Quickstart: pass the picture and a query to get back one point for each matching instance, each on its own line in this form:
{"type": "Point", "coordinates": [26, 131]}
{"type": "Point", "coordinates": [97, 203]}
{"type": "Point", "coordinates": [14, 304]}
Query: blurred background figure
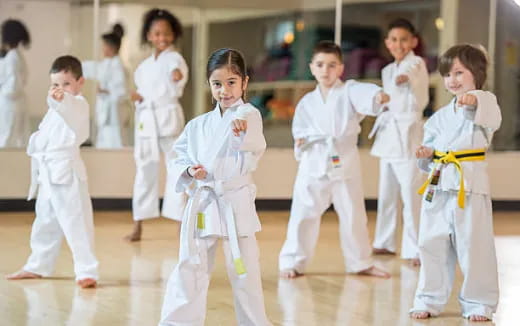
{"type": "Point", "coordinates": [14, 123]}
{"type": "Point", "coordinates": [112, 101]}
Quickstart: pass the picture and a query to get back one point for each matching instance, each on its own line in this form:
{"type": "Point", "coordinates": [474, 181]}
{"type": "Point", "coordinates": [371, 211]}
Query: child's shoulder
{"type": "Point", "coordinates": [173, 54]}
{"type": "Point", "coordinates": [12, 57]}
{"type": "Point", "coordinates": [198, 119]}
{"type": "Point", "coordinates": [483, 93]}
{"type": "Point", "coordinates": [246, 110]}
{"type": "Point", "coordinates": [440, 113]}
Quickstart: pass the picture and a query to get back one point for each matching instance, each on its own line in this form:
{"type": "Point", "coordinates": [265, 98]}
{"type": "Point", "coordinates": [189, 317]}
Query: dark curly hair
{"type": "Point", "coordinates": [14, 32]}
{"type": "Point", "coordinates": [158, 14]}
{"type": "Point", "coordinates": [114, 37]}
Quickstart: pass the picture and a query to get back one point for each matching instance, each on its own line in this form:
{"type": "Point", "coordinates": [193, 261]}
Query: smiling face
{"type": "Point", "coordinates": [326, 68]}
{"type": "Point", "coordinates": [227, 87]}
{"type": "Point", "coordinates": [400, 42]}
{"type": "Point", "coordinates": [459, 79]}
{"type": "Point", "coordinates": [66, 81]}
{"type": "Point", "coordinates": [161, 35]}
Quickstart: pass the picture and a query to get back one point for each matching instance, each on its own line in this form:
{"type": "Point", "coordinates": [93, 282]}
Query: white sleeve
{"type": "Point", "coordinates": [253, 140]}
{"type": "Point", "coordinates": [300, 127]}
{"type": "Point", "coordinates": [253, 143]}
{"type": "Point", "coordinates": [430, 133]}
{"type": "Point", "coordinates": [487, 113]}
{"type": "Point", "coordinates": [117, 84]}
{"type": "Point", "coordinates": [89, 69]}
{"type": "Point", "coordinates": [363, 97]}
{"type": "Point", "coordinates": [12, 86]}
{"type": "Point", "coordinates": [182, 162]}
{"type": "Point", "coordinates": [75, 112]}
{"type": "Point", "coordinates": [178, 63]}
{"type": "Point", "coordinates": [419, 82]}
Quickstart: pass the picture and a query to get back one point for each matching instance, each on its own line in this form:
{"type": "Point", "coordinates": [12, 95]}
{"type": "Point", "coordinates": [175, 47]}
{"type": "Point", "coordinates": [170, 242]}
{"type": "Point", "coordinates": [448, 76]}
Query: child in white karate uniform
{"type": "Point", "coordinates": [159, 119]}
{"type": "Point", "coordinates": [218, 151]}
{"type": "Point", "coordinates": [456, 215]}
{"type": "Point", "coordinates": [14, 119]}
{"type": "Point", "coordinates": [63, 206]}
{"type": "Point", "coordinates": [325, 129]}
{"type": "Point", "coordinates": [112, 100]}
{"type": "Point", "coordinates": [399, 133]}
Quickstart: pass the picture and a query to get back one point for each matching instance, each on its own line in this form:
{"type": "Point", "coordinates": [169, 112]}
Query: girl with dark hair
{"type": "Point", "coordinates": [159, 119]}
{"type": "Point", "coordinates": [112, 100]}
{"type": "Point", "coordinates": [14, 123]}
{"type": "Point", "coordinates": [217, 152]}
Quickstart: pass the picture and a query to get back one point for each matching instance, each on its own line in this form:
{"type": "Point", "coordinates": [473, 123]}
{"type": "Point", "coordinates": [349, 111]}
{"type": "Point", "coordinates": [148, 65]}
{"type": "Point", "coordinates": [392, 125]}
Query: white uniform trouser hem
{"type": "Point", "coordinates": [63, 211]}
{"type": "Point", "coordinates": [450, 235]}
{"type": "Point", "coordinates": [145, 200]}
{"type": "Point", "coordinates": [185, 299]}
{"type": "Point", "coordinates": [399, 180]}
{"type": "Point", "coordinates": [311, 197]}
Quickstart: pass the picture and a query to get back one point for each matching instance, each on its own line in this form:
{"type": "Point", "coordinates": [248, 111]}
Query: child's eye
{"type": "Point", "coordinates": [216, 84]}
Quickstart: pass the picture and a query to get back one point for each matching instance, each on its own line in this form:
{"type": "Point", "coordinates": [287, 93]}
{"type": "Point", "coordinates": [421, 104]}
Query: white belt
{"type": "Point", "coordinates": [334, 163]}
{"type": "Point", "coordinates": [217, 191]}
{"type": "Point", "coordinates": [145, 109]}
{"type": "Point", "coordinates": [386, 116]}
{"type": "Point", "coordinates": [38, 165]}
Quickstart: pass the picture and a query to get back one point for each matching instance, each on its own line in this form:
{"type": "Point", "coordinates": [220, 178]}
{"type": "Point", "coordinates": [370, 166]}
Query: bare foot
{"type": "Point", "coordinates": [87, 283]}
{"type": "Point", "coordinates": [415, 262]}
{"type": "Point", "coordinates": [374, 271]}
{"type": "Point", "coordinates": [478, 318]}
{"type": "Point", "coordinates": [420, 315]}
{"type": "Point", "coordinates": [378, 251]}
{"type": "Point", "coordinates": [290, 273]}
{"type": "Point", "coordinates": [136, 232]}
{"type": "Point", "coordinates": [22, 275]}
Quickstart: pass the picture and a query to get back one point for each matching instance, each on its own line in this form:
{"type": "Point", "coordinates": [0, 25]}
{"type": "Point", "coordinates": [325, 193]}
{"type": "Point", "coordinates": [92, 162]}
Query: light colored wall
{"type": "Point", "coordinates": [48, 24]}
{"type": "Point", "coordinates": [111, 174]}
{"type": "Point", "coordinates": [507, 69]}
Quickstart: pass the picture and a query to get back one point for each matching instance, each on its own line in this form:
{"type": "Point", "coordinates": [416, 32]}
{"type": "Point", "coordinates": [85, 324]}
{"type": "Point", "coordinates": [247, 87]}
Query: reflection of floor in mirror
{"type": "Point", "coordinates": [133, 277]}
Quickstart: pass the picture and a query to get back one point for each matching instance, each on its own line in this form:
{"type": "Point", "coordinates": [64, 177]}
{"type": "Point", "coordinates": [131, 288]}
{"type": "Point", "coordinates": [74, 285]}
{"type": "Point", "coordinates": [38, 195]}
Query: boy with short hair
{"type": "Point", "coordinates": [63, 206]}
{"type": "Point", "coordinates": [325, 129]}
{"type": "Point", "coordinates": [399, 133]}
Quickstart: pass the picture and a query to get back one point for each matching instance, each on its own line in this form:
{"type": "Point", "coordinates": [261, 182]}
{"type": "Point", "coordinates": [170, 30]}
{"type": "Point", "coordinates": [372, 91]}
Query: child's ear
{"type": "Point", "coordinates": [415, 42]}
{"type": "Point", "coordinates": [387, 43]}
{"type": "Point", "coordinates": [341, 68]}
{"type": "Point", "coordinates": [81, 81]}
{"type": "Point", "coordinates": [244, 83]}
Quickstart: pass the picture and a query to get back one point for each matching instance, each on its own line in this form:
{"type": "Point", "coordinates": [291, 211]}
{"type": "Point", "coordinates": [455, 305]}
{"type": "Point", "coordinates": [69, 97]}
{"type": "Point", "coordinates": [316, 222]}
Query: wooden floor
{"type": "Point", "coordinates": [133, 277]}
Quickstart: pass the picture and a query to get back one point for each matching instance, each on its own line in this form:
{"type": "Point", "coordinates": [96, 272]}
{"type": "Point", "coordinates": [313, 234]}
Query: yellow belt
{"type": "Point", "coordinates": [455, 158]}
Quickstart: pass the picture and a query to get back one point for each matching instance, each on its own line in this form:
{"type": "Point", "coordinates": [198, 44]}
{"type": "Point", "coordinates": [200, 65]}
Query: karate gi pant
{"type": "Point", "coordinates": [109, 136]}
{"type": "Point", "coordinates": [398, 183]}
{"type": "Point", "coordinates": [449, 234]}
{"type": "Point", "coordinates": [145, 201]}
{"type": "Point", "coordinates": [63, 210]}
{"type": "Point", "coordinates": [187, 289]}
{"type": "Point", "coordinates": [311, 198]}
